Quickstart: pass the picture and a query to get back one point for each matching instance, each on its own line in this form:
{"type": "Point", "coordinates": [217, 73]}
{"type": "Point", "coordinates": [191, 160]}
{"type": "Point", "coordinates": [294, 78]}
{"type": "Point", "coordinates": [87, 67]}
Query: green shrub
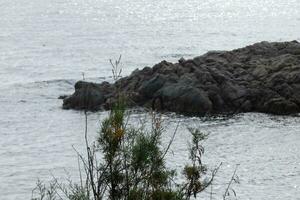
{"type": "Point", "coordinates": [132, 164]}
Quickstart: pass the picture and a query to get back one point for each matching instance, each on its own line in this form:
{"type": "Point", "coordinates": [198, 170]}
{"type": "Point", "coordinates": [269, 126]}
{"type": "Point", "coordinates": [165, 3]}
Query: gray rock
{"type": "Point", "coordinates": [87, 96]}
{"type": "Point", "coordinates": [263, 77]}
{"type": "Point", "coordinates": [148, 88]}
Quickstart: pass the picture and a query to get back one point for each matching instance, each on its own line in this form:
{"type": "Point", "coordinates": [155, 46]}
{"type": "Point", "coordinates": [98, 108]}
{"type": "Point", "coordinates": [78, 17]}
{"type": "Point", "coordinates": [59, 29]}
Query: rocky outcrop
{"type": "Point", "coordinates": [264, 77]}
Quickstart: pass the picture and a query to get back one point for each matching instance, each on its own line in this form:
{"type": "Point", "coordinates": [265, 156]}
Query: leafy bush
{"type": "Point", "coordinates": [128, 163]}
{"type": "Point", "coordinates": [132, 165]}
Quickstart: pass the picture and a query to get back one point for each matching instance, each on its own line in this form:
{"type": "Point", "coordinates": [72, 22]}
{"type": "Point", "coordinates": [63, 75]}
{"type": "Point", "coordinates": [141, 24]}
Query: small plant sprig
{"type": "Point", "coordinates": [116, 68]}
{"type": "Point", "coordinates": [195, 173]}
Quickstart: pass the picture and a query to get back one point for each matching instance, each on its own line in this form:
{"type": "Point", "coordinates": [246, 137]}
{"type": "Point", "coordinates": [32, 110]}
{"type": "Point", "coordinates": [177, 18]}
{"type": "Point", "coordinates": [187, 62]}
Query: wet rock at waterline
{"type": "Point", "coordinates": [264, 77]}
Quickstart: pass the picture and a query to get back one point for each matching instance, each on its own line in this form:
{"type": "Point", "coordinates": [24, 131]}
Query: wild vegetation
{"type": "Point", "coordinates": [129, 163]}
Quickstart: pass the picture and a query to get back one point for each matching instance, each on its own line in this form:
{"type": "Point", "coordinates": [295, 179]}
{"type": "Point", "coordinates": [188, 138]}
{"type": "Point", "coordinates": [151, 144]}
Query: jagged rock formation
{"type": "Point", "coordinates": [264, 77]}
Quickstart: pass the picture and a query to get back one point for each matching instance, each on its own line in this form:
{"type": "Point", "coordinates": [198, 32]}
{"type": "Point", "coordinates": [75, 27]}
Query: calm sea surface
{"type": "Point", "coordinates": [46, 45]}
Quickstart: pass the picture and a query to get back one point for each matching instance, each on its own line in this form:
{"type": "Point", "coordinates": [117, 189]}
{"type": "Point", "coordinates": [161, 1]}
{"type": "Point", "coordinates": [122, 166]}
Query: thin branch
{"type": "Point", "coordinates": [230, 182]}
{"type": "Point", "coordinates": [214, 173]}
{"type": "Point", "coordinates": [171, 141]}
{"type": "Point", "coordinates": [90, 159]}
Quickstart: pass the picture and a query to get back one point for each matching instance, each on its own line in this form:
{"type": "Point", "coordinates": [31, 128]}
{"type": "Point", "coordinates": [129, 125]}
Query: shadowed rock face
{"type": "Point", "coordinates": [264, 77]}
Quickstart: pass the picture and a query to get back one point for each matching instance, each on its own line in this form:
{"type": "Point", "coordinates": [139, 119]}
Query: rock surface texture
{"type": "Point", "coordinates": [264, 77]}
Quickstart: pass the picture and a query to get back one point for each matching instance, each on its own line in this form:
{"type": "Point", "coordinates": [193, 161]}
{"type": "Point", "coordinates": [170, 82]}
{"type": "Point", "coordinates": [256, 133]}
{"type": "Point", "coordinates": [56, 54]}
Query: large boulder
{"type": "Point", "coordinates": [264, 77]}
{"type": "Point", "coordinates": [87, 96]}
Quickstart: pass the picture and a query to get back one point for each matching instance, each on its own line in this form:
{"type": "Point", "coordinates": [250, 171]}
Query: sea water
{"type": "Point", "coordinates": [47, 45]}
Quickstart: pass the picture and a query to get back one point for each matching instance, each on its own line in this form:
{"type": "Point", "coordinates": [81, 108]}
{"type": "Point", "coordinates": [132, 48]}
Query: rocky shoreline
{"type": "Point", "coordinates": [263, 77]}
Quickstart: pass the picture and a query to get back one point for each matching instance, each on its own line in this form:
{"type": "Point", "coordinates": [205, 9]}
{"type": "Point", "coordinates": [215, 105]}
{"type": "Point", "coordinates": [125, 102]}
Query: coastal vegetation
{"type": "Point", "coordinates": [129, 162]}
